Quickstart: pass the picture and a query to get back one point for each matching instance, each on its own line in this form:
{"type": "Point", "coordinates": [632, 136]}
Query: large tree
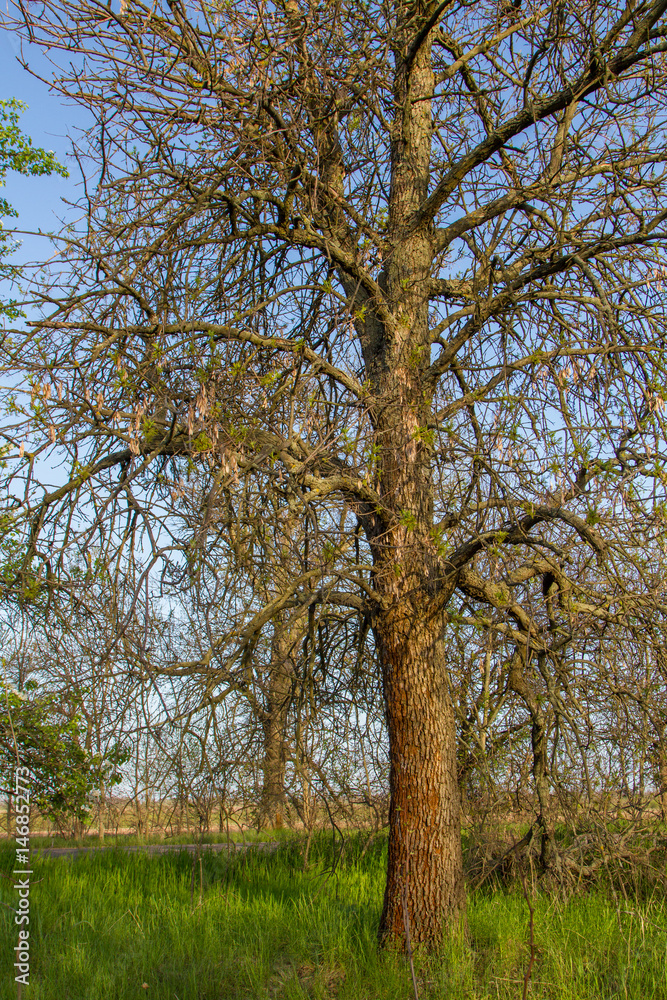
{"type": "Point", "coordinates": [400, 261]}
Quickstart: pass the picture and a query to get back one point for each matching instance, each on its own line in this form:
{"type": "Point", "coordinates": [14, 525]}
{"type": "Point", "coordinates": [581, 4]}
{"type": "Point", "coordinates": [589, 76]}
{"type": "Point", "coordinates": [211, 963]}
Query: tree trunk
{"type": "Point", "coordinates": [100, 815]}
{"type": "Point", "coordinates": [424, 893]}
{"type": "Point", "coordinates": [539, 743]}
{"type": "Point", "coordinates": [274, 722]}
{"type": "Point", "coordinates": [273, 772]}
{"type": "Point", "coordinates": [548, 850]}
{"type": "Point", "coordinates": [661, 776]}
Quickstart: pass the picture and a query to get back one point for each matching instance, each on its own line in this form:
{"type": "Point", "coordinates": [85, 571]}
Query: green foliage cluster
{"type": "Point", "coordinates": [63, 772]}
{"type": "Point", "coordinates": [17, 153]}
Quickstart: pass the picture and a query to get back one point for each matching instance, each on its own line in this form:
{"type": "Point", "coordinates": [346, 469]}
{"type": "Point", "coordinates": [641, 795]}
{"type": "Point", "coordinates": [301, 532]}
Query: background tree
{"type": "Point", "coordinates": [441, 226]}
{"type": "Point", "coordinates": [63, 772]}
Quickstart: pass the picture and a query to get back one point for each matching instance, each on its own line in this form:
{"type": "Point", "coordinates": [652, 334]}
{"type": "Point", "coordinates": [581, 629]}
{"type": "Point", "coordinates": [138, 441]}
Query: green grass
{"type": "Point", "coordinates": [105, 924]}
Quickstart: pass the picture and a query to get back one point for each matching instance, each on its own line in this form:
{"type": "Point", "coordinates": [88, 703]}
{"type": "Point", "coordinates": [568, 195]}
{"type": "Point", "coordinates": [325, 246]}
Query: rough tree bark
{"type": "Point", "coordinates": [425, 872]}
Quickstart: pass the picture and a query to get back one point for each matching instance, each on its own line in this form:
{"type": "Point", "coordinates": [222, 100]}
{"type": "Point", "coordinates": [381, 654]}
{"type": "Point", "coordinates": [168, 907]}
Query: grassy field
{"type": "Point", "coordinates": [133, 839]}
{"type": "Point", "coordinates": [112, 926]}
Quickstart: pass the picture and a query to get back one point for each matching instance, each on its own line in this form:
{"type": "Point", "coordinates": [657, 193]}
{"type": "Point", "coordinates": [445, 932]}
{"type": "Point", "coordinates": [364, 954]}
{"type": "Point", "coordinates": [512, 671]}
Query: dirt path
{"type": "Point", "coordinates": [152, 849]}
